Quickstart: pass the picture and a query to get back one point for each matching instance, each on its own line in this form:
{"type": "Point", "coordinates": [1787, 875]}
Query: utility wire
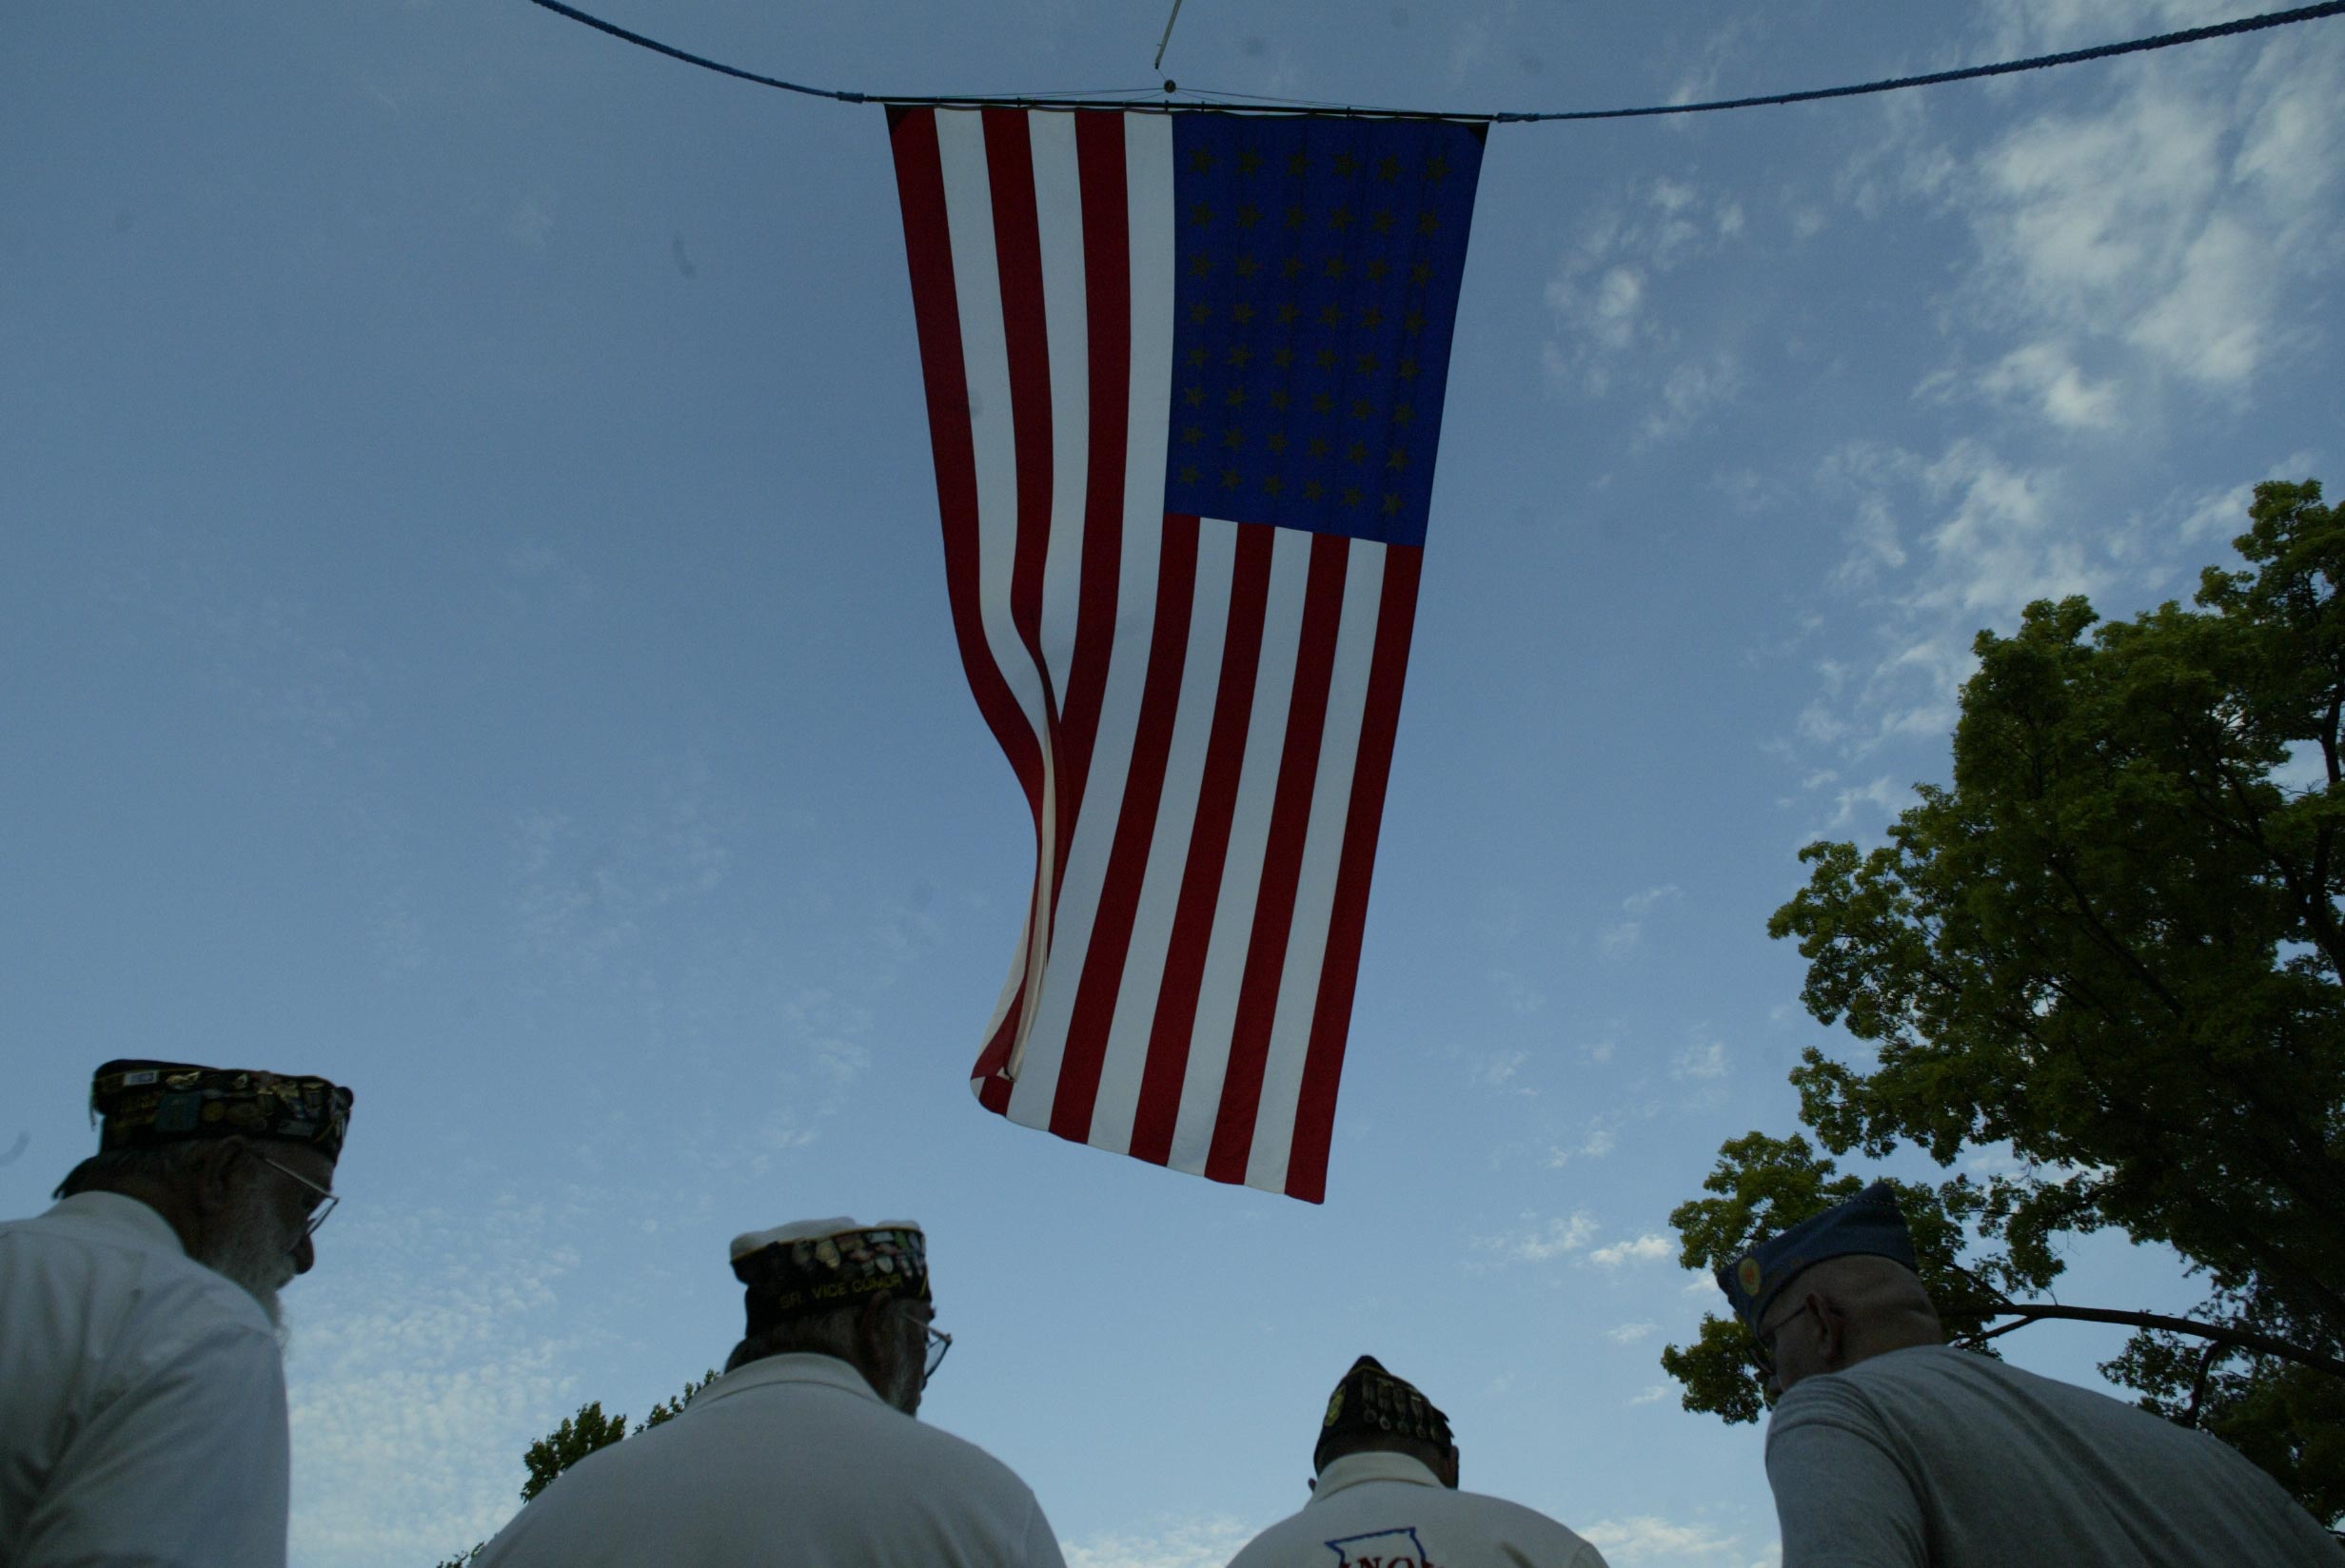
{"type": "Point", "coordinates": [2103, 51]}
{"type": "Point", "coordinates": [2006, 68]}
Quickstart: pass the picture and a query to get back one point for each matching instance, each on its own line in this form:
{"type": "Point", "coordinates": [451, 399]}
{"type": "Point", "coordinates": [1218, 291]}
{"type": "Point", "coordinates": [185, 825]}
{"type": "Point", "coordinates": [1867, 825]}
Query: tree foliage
{"type": "Point", "coordinates": [580, 1435]}
{"type": "Point", "coordinates": [2112, 946]}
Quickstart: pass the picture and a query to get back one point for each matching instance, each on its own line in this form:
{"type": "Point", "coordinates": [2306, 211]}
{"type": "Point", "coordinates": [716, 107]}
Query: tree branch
{"type": "Point", "coordinates": [2244, 1339]}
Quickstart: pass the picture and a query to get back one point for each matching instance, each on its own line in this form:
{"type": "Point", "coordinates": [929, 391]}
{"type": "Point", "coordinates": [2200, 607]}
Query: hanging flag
{"type": "Point", "coordinates": [1185, 375]}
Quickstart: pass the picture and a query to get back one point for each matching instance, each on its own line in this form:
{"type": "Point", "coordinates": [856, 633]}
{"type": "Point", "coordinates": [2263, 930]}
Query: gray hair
{"type": "Point", "coordinates": [111, 1170]}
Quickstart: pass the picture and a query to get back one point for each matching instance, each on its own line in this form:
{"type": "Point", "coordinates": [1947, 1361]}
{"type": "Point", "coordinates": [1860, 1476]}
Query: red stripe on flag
{"type": "Point", "coordinates": [1017, 254]}
{"type": "Point", "coordinates": [1314, 1119]}
{"type": "Point", "coordinates": [1208, 846]}
{"type": "Point", "coordinates": [936, 305]}
{"type": "Point", "coordinates": [1107, 300]}
{"type": "Point", "coordinates": [991, 1083]}
{"type": "Point", "coordinates": [1282, 861]}
{"type": "Point", "coordinates": [1136, 828]}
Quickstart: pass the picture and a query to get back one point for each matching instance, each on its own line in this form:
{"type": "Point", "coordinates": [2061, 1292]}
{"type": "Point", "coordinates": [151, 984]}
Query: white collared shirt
{"type": "Point", "coordinates": [792, 1459]}
{"type": "Point", "coordinates": [1390, 1510]}
{"type": "Point", "coordinates": [1935, 1458]}
{"type": "Point", "coordinates": [143, 1398]}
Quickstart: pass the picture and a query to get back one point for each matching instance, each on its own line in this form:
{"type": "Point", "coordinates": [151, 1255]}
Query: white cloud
{"type": "Point", "coordinates": [1646, 1248]}
{"type": "Point", "coordinates": [1600, 1143]}
{"type": "Point", "coordinates": [1651, 898]}
{"type": "Point", "coordinates": [1516, 994]}
{"type": "Point", "coordinates": [1497, 1070]}
{"type": "Point", "coordinates": [1631, 1333]}
{"type": "Point", "coordinates": [1883, 795]}
{"type": "Point", "coordinates": [2043, 377]}
{"type": "Point", "coordinates": [2175, 221]}
{"type": "Point", "coordinates": [417, 1373]}
{"type": "Point", "coordinates": [1203, 1542]}
{"type": "Point", "coordinates": [1646, 1537]}
{"type": "Point", "coordinates": [1699, 1283]}
{"type": "Point", "coordinates": [1539, 1242]}
{"type": "Point", "coordinates": [1616, 941]}
{"type": "Point", "coordinates": [1600, 295]}
{"type": "Point", "coordinates": [1691, 390]}
{"type": "Point", "coordinates": [1701, 1062]}
{"type": "Point", "coordinates": [1653, 1395]}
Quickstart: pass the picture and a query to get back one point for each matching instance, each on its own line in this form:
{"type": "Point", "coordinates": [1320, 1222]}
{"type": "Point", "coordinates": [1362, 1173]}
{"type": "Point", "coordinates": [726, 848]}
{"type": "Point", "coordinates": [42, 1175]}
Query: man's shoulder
{"type": "Point", "coordinates": [154, 1289]}
{"type": "Point", "coordinates": [823, 1412]}
{"type": "Point", "coordinates": [1416, 1518]}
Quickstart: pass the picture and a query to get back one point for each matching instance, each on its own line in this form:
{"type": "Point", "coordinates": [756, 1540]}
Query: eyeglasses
{"type": "Point", "coordinates": [939, 1342]}
{"type": "Point", "coordinates": [1762, 1346]}
{"type": "Point", "coordinates": [319, 1206]}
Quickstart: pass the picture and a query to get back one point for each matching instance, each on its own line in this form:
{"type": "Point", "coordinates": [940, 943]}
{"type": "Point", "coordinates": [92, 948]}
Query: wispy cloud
{"type": "Point", "coordinates": [1499, 1070]}
{"type": "Point", "coordinates": [1205, 1540]}
{"type": "Point", "coordinates": [1599, 297]}
{"type": "Point", "coordinates": [418, 1371]}
{"type": "Point", "coordinates": [1540, 1242]}
{"type": "Point", "coordinates": [1701, 1062]}
{"type": "Point", "coordinates": [2131, 262]}
{"type": "Point", "coordinates": [1516, 994]}
{"type": "Point", "coordinates": [1622, 936]}
{"type": "Point", "coordinates": [1631, 1333]}
{"type": "Point", "coordinates": [1648, 1249]}
{"type": "Point", "coordinates": [1600, 1142]}
{"type": "Point", "coordinates": [1647, 1538]}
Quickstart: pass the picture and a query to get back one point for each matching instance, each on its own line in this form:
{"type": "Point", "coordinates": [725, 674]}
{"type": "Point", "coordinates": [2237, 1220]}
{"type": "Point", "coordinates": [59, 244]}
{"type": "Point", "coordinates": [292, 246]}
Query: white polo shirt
{"type": "Point", "coordinates": [1936, 1458]}
{"type": "Point", "coordinates": [789, 1459]}
{"type": "Point", "coordinates": [1390, 1510]}
{"type": "Point", "coordinates": [142, 1399]}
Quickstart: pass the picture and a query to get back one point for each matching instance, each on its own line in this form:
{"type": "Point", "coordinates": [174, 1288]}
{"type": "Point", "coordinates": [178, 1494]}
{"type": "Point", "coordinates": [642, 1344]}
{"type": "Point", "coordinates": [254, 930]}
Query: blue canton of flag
{"type": "Point", "coordinates": [1318, 263]}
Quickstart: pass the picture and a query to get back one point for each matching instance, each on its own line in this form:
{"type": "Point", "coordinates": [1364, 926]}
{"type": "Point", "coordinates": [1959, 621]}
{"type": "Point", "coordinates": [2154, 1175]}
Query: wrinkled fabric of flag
{"type": "Point", "coordinates": [1185, 375]}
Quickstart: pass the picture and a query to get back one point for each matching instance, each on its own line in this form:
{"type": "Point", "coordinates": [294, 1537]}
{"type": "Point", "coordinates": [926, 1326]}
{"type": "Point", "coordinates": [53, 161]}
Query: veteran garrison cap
{"type": "Point", "coordinates": [142, 1105]}
{"type": "Point", "coordinates": [1371, 1401]}
{"type": "Point", "coordinates": [813, 1266]}
{"type": "Point", "coordinates": [1870, 1223]}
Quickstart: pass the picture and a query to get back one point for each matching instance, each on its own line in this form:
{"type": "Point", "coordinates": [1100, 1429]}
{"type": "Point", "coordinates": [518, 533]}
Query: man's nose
{"type": "Point", "coordinates": [305, 1256]}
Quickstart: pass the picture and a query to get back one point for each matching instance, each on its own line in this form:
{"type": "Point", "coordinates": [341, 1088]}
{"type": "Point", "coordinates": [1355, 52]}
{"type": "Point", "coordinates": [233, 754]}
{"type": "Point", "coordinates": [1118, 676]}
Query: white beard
{"type": "Point", "coordinates": [252, 1253]}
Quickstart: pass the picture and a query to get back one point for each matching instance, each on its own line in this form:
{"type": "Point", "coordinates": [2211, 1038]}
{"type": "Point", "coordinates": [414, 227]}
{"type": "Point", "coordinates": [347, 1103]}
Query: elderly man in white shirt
{"type": "Point", "coordinates": [1386, 1495]}
{"type": "Point", "coordinates": [1889, 1449]}
{"type": "Point", "coordinates": [806, 1450]}
{"type": "Point", "coordinates": [140, 1374]}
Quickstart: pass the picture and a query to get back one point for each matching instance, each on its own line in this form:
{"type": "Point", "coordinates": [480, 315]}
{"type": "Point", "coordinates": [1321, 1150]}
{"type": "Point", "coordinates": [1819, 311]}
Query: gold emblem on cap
{"type": "Point", "coordinates": [1747, 1274]}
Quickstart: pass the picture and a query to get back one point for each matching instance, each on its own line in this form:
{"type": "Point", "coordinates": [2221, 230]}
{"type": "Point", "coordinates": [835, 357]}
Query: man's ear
{"type": "Point", "coordinates": [213, 1172]}
{"type": "Point", "coordinates": [871, 1329]}
{"type": "Point", "coordinates": [1832, 1325]}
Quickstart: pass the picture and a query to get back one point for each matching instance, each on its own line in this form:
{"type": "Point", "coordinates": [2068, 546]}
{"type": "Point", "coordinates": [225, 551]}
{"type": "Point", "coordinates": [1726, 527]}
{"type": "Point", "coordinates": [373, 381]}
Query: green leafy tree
{"type": "Point", "coordinates": [577, 1437]}
{"type": "Point", "coordinates": [580, 1435]}
{"type": "Point", "coordinates": [2113, 947]}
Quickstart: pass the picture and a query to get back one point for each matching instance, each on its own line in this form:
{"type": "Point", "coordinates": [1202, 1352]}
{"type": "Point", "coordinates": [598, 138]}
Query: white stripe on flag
{"type": "Point", "coordinates": [976, 284]}
{"type": "Point", "coordinates": [1034, 1095]}
{"type": "Point", "coordinates": [1323, 854]}
{"type": "Point", "coordinates": [1168, 852]}
{"type": "Point", "coordinates": [1249, 835]}
{"type": "Point", "coordinates": [1058, 211]}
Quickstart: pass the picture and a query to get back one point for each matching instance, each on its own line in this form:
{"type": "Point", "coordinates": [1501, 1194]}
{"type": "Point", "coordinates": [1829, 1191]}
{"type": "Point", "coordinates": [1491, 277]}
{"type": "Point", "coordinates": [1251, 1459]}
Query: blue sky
{"type": "Point", "coordinates": [475, 628]}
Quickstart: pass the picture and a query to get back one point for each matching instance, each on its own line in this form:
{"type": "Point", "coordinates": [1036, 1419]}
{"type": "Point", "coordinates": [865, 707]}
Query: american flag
{"type": "Point", "coordinates": [1185, 375]}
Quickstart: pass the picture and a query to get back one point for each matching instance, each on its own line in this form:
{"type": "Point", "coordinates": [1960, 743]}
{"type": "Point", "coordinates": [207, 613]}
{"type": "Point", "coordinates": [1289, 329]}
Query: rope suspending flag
{"type": "Point", "coordinates": [1185, 376]}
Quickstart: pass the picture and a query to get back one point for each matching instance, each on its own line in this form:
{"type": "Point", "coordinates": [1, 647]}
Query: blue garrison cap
{"type": "Point", "coordinates": [1869, 1223]}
